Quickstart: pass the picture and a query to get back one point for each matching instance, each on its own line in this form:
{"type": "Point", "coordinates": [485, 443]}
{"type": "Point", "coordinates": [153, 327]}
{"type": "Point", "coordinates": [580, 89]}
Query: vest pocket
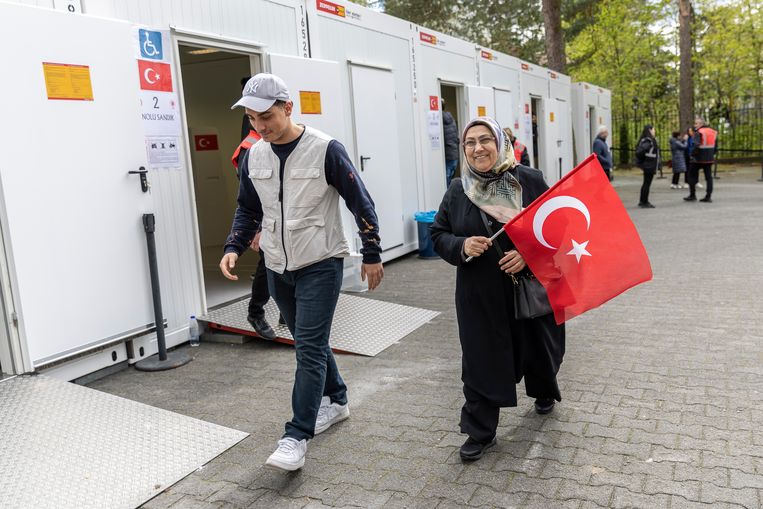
{"type": "Point", "coordinates": [264, 173]}
{"type": "Point", "coordinates": [268, 241]}
{"type": "Point", "coordinates": [307, 239]}
{"type": "Point", "coordinates": [305, 187]}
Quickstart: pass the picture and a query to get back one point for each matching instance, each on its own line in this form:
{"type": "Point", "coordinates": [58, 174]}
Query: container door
{"type": "Point", "coordinates": [72, 130]}
{"type": "Point", "coordinates": [378, 156]}
{"type": "Point", "coordinates": [480, 102]}
{"type": "Point", "coordinates": [504, 110]}
{"type": "Point", "coordinates": [316, 90]}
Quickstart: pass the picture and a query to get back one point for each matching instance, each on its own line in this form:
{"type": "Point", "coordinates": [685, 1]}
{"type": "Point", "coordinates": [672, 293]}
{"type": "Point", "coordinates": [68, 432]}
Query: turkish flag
{"type": "Point", "coordinates": [579, 241]}
{"type": "Point", "coordinates": [205, 142]}
{"type": "Point", "coordinates": [155, 76]}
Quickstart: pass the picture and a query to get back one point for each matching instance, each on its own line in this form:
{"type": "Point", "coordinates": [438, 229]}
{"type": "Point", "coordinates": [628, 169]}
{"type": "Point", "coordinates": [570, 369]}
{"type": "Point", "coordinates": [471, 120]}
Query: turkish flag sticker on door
{"type": "Point", "coordinates": [155, 76]}
{"type": "Point", "coordinates": [205, 142]}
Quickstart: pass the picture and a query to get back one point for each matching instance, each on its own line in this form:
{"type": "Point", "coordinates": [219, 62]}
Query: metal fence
{"type": "Point", "coordinates": [740, 133]}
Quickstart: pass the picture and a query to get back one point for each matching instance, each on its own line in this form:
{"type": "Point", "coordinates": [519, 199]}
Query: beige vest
{"type": "Point", "coordinates": [307, 226]}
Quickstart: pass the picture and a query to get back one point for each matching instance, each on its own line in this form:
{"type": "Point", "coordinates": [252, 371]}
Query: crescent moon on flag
{"type": "Point", "coordinates": [545, 210]}
{"type": "Point", "coordinates": [146, 75]}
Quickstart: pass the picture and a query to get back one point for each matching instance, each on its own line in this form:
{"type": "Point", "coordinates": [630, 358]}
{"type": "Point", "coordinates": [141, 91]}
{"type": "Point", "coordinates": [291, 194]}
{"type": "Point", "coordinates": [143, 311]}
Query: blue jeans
{"type": "Point", "coordinates": [450, 169]}
{"type": "Point", "coordinates": [307, 298]}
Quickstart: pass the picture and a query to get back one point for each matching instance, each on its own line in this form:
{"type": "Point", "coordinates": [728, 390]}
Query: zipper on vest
{"type": "Point", "coordinates": [282, 170]}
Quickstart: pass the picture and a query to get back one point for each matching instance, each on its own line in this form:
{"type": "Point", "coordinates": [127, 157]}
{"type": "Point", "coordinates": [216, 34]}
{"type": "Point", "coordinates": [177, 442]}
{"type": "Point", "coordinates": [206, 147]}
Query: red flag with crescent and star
{"type": "Point", "coordinates": [579, 241]}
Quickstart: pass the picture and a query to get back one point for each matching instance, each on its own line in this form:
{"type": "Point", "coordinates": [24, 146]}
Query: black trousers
{"type": "Point", "coordinates": [260, 292]}
{"type": "Point", "coordinates": [676, 178]}
{"type": "Point", "coordinates": [479, 417]}
{"type": "Point", "coordinates": [648, 176]}
{"type": "Point", "coordinates": [707, 169]}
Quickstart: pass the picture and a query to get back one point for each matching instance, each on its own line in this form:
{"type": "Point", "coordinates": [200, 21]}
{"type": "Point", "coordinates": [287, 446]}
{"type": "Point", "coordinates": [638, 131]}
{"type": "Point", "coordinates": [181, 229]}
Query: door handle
{"type": "Point", "coordinates": [363, 160]}
{"type": "Point", "coordinates": [142, 171]}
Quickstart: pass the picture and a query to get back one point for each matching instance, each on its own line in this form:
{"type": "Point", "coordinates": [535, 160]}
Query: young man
{"type": "Point", "coordinates": [289, 189]}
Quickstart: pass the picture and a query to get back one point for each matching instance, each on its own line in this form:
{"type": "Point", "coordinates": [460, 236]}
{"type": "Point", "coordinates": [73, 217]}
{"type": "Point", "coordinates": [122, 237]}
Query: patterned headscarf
{"type": "Point", "coordinates": [497, 191]}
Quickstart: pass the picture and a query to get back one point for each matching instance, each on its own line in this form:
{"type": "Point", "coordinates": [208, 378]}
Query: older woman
{"type": "Point", "coordinates": [497, 348]}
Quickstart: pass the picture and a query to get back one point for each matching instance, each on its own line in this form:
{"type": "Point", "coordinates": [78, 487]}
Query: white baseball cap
{"type": "Point", "coordinates": [262, 91]}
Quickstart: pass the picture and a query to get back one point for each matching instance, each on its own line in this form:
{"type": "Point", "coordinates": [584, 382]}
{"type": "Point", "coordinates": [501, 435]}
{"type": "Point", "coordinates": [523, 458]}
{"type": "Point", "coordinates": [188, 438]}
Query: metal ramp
{"type": "Point", "coordinates": [66, 446]}
{"type": "Point", "coordinates": [362, 326]}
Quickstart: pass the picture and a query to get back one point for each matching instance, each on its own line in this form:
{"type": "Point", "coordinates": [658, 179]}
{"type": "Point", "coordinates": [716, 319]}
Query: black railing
{"type": "Point", "coordinates": [740, 133]}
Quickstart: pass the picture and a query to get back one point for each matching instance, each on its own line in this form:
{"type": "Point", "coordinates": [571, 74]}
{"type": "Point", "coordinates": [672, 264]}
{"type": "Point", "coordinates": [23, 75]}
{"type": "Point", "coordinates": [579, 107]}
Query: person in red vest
{"type": "Point", "coordinates": [520, 151]}
{"type": "Point", "coordinates": [705, 147]}
{"type": "Point", "coordinates": [260, 293]}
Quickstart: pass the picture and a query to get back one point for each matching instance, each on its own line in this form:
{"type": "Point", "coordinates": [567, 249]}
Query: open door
{"type": "Point", "coordinates": [75, 238]}
{"type": "Point", "coordinates": [480, 102]}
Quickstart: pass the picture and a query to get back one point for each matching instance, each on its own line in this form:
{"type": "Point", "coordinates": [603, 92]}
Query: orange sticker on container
{"type": "Point", "coordinates": [551, 116]}
{"type": "Point", "coordinates": [309, 102]}
{"type": "Point", "coordinates": [67, 82]}
{"type": "Point", "coordinates": [481, 111]}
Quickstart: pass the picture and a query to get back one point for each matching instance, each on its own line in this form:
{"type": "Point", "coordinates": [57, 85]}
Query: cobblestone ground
{"type": "Point", "coordinates": [662, 388]}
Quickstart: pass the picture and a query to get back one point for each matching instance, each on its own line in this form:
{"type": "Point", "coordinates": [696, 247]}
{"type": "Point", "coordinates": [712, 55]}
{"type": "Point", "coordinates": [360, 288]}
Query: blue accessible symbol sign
{"type": "Point", "coordinates": [150, 44]}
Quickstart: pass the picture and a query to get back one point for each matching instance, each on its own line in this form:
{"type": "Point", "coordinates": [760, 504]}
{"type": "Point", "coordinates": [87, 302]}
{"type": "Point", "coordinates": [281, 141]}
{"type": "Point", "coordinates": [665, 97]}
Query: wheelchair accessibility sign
{"type": "Point", "coordinates": [150, 44]}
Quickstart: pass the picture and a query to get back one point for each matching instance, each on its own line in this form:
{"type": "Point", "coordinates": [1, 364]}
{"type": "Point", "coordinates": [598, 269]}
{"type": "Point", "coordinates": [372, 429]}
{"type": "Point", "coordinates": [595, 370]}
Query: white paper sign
{"type": "Point", "coordinates": [434, 128]}
{"type": "Point", "coordinates": [162, 151]}
{"type": "Point", "coordinates": [160, 113]}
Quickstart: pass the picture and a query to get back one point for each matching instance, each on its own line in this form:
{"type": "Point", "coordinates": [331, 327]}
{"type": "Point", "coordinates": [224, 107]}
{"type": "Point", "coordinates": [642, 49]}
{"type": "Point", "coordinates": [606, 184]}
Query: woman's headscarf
{"type": "Point", "coordinates": [497, 192]}
{"type": "Point", "coordinates": [647, 132]}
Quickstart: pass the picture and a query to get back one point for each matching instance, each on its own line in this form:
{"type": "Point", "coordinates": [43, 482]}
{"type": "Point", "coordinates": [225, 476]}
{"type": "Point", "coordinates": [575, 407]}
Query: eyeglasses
{"type": "Point", "coordinates": [471, 143]}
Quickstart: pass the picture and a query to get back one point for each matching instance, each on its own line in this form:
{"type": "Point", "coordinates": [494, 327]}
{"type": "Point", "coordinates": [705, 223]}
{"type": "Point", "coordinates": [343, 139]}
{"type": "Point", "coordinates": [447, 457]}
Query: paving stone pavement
{"type": "Point", "coordinates": [662, 388]}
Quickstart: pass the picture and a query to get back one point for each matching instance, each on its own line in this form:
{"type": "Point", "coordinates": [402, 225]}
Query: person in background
{"type": "Point", "coordinates": [704, 148]}
{"type": "Point", "coordinates": [602, 151]}
{"type": "Point", "coordinates": [520, 151]}
{"type": "Point", "coordinates": [260, 293]}
{"type": "Point", "coordinates": [678, 158]}
{"type": "Point", "coordinates": [687, 155]}
{"type": "Point", "coordinates": [450, 137]}
{"type": "Point", "coordinates": [498, 350]}
{"type": "Point", "coordinates": [290, 190]}
{"type": "Point", "coordinates": [648, 159]}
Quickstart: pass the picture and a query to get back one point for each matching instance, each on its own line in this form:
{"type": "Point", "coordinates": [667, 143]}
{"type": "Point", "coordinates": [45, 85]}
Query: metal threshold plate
{"type": "Point", "coordinates": [67, 446]}
{"type": "Point", "coordinates": [362, 326]}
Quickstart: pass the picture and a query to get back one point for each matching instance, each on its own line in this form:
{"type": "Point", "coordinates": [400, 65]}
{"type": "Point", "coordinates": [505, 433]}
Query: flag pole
{"type": "Point", "coordinates": [495, 236]}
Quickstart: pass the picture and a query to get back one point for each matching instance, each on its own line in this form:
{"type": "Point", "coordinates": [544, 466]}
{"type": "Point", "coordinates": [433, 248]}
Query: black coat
{"type": "Point", "coordinates": [648, 154]}
{"type": "Point", "coordinates": [498, 350]}
{"type": "Point", "coordinates": [450, 136]}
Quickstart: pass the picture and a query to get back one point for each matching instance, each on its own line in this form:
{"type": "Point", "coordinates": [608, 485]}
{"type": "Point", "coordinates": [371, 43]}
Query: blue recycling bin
{"type": "Point", "coordinates": [426, 247]}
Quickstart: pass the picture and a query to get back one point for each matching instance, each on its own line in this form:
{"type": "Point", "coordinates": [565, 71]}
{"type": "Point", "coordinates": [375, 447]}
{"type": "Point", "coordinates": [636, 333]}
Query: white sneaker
{"type": "Point", "coordinates": [290, 454]}
{"type": "Point", "coordinates": [330, 414]}
{"type": "Point", "coordinates": [700, 185]}
{"type": "Point", "coordinates": [673, 186]}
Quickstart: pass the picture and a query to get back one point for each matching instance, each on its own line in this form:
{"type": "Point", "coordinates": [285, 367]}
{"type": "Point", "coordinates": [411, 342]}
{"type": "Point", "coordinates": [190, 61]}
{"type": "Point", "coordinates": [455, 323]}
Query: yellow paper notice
{"type": "Point", "coordinates": [310, 102]}
{"type": "Point", "coordinates": [481, 111]}
{"type": "Point", "coordinates": [68, 82]}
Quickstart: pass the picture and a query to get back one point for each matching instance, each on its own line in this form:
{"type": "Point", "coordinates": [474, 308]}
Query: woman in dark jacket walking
{"type": "Point", "coordinates": [678, 158]}
{"type": "Point", "coordinates": [648, 159]}
{"type": "Point", "coordinates": [497, 348]}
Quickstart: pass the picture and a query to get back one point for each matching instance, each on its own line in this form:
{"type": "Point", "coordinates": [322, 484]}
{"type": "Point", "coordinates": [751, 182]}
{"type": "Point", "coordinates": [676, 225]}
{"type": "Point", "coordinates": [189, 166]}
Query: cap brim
{"type": "Point", "coordinates": [254, 103]}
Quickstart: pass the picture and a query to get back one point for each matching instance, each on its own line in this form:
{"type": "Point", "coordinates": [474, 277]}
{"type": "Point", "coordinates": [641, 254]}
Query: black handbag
{"type": "Point", "coordinates": [530, 298]}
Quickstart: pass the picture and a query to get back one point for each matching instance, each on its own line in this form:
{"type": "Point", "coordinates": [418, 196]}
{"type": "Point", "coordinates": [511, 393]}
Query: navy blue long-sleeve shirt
{"type": "Point", "coordinates": [340, 173]}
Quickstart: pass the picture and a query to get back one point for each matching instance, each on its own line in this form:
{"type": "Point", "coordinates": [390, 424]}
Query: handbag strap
{"type": "Point", "coordinates": [490, 233]}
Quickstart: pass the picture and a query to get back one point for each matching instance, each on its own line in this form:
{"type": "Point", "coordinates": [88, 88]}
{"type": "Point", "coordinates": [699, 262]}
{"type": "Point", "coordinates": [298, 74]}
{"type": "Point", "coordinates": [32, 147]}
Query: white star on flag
{"type": "Point", "coordinates": [579, 250]}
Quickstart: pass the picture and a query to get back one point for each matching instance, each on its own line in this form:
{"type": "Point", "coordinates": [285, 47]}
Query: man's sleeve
{"type": "Point", "coordinates": [525, 158]}
{"type": "Point", "coordinates": [341, 174]}
{"type": "Point", "coordinates": [248, 217]}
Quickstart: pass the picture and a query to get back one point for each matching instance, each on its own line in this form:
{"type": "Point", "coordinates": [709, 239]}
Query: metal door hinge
{"type": "Point", "coordinates": [15, 319]}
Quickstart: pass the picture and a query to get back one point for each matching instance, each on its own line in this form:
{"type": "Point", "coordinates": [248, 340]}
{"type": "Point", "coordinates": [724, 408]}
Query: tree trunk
{"type": "Point", "coordinates": [685, 81]}
{"type": "Point", "coordinates": [552, 19]}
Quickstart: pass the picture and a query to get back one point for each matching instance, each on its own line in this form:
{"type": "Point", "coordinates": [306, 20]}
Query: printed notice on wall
{"type": "Point", "coordinates": [162, 151]}
{"type": "Point", "coordinates": [481, 111]}
{"type": "Point", "coordinates": [67, 82]}
{"type": "Point", "coordinates": [309, 102]}
{"type": "Point", "coordinates": [434, 128]}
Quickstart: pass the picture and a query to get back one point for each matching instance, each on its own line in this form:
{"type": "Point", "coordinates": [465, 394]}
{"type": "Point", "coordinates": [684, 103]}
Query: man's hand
{"type": "Point", "coordinates": [475, 246]}
{"type": "Point", "coordinates": [255, 245]}
{"type": "Point", "coordinates": [227, 264]}
{"type": "Point", "coordinates": [512, 262]}
{"type": "Point", "coordinates": [375, 273]}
